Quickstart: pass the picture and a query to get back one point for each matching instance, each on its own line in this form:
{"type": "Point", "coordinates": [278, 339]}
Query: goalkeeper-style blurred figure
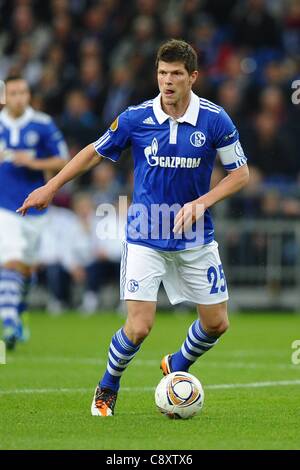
{"type": "Point", "coordinates": [30, 146]}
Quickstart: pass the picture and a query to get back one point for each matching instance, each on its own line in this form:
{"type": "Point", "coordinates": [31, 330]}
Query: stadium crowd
{"type": "Point", "coordinates": [86, 61]}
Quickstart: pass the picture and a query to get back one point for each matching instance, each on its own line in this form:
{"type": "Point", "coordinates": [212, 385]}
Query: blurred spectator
{"type": "Point", "coordinates": [106, 242]}
{"type": "Point", "coordinates": [90, 48]}
{"type": "Point", "coordinates": [78, 119]}
{"type": "Point", "coordinates": [23, 62]}
{"type": "Point", "coordinates": [206, 40]}
{"type": "Point", "coordinates": [254, 27]}
{"type": "Point", "coordinates": [231, 99]}
{"type": "Point", "coordinates": [51, 90]}
{"type": "Point", "coordinates": [142, 39]}
{"type": "Point", "coordinates": [153, 9]}
{"type": "Point", "coordinates": [64, 261]}
{"type": "Point", "coordinates": [66, 36]}
{"type": "Point", "coordinates": [56, 58]}
{"type": "Point", "coordinates": [272, 101]}
{"type": "Point", "coordinates": [173, 27]}
{"type": "Point", "coordinates": [25, 26]}
{"type": "Point", "coordinates": [105, 188]}
{"type": "Point", "coordinates": [119, 95]}
{"type": "Point", "coordinates": [291, 32]}
{"type": "Point", "coordinates": [88, 253]}
{"type": "Point", "coordinates": [92, 81]}
{"type": "Point", "coordinates": [271, 151]}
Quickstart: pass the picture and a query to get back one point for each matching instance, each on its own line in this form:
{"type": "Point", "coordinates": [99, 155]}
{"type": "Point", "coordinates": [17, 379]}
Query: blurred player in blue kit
{"type": "Point", "coordinates": [30, 146]}
{"type": "Point", "coordinates": [174, 138]}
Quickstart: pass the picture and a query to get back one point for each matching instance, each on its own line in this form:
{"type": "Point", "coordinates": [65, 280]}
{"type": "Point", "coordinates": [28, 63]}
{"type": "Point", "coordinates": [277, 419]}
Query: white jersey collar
{"type": "Point", "coordinates": [190, 116]}
{"type": "Point", "coordinates": [21, 121]}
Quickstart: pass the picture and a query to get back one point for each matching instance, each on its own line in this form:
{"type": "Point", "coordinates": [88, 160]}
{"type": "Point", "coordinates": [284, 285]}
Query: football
{"type": "Point", "coordinates": [179, 395]}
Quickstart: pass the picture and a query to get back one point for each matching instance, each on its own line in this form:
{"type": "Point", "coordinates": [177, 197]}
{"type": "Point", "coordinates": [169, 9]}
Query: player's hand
{"type": "Point", "coordinates": [188, 215]}
{"type": "Point", "coordinates": [40, 199]}
{"type": "Point", "coordinates": [6, 155]}
{"type": "Point", "coordinates": [78, 274]}
{"type": "Point", "coordinates": [102, 255]}
{"type": "Point", "coordinates": [22, 158]}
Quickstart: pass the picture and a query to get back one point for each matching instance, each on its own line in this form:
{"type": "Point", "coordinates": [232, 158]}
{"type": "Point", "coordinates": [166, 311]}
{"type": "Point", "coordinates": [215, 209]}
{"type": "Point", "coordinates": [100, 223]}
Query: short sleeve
{"type": "Point", "coordinates": [116, 138]}
{"type": "Point", "coordinates": [226, 140]}
{"type": "Point", "coordinates": [54, 143]}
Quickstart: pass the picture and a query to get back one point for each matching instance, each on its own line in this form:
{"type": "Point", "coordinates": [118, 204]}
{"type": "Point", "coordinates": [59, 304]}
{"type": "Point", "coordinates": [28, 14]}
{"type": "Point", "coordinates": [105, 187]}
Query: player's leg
{"type": "Point", "coordinates": [202, 282]}
{"type": "Point", "coordinates": [141, 272]}
{"type": "Point", "coordinates": [127, 341]}
{"type": "Point", "coordinates": [12, 274]}
{"type": "Point", "coordinates": [213, 319]}
{"type": "Point", "coordinates": [15, 279]}
{"type": "Point", "coordinates": [124, 345]}
{"type": "Point", "coordinates": [18, 251]}
{"type": "Point", "coordinates": [202, 335]}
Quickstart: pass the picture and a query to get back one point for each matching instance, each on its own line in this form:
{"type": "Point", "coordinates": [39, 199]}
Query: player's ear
{"type": "Point", "coordinates": [194, 76]}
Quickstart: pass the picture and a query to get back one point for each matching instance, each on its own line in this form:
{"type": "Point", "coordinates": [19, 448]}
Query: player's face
{"type": "Point", "coordinates": [17, 96]}
{"type": "Point", "coordinates": [174, 81]}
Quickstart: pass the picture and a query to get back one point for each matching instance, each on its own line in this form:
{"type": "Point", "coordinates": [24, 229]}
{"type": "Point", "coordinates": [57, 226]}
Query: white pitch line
{"type": "Point", "coordinates": [149, 362]}
{"type": "Point", "coordinates": [278, 383]}
{"type": "Point", "coordinates": [30, 391]}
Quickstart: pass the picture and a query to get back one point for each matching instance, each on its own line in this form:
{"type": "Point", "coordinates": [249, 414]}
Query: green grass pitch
{"type": "Point", "coordinates": [252, 388]}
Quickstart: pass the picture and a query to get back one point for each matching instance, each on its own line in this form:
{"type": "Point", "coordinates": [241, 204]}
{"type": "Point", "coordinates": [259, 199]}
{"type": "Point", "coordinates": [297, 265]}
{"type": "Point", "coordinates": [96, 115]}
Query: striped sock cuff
{"type": "Point", "coordinates": [11, 288]}
{"type": "Point", "coordinates": [9, 275]}
{"type": "Point", "coordinates": [197, 342]}
{"type": "Point", "coordinates": [124, 341]}
{"type": "Point", "coordinates": [201, 334]}
{"type": "Point", "coordinates": [121, 352]}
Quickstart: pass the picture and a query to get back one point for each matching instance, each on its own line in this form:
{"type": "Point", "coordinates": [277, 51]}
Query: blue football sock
{"type": "Point", "coordinates": [195, 345]}
{"type": "Point", "coordinates": [121, 352]}
{"type": "Point", "coordinates": [11, 288]}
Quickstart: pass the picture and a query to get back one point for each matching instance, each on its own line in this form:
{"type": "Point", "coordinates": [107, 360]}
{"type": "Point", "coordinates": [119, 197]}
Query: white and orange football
{"type": "Point", "coordinates": [179, 395]}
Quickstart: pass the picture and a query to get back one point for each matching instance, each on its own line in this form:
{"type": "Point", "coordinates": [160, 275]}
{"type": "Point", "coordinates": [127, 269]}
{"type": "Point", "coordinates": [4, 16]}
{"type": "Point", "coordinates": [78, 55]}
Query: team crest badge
{"type": "Point", "coordinates": [197, 139]}
{"type": "Point", "coordinates": [31, 138]}
{"type": "Point", "coordinates": [132, 285]}
{"type": "Point", "coordinates": [239, 149]}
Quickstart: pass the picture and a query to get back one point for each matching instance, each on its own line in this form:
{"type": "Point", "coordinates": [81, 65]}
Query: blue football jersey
{"type": "Point", "coordinates": [33, 132]}
{"type": "Point", "coordinates": [173, 163]}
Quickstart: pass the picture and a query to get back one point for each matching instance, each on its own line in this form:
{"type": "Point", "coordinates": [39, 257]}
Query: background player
{"type": "Point", "coordinates": [30, 145]}
{"type": "Point", "coordinates": [175, 139]}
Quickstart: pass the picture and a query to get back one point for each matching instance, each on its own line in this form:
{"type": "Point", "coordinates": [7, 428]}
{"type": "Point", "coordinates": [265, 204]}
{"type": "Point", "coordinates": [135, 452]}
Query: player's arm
{"type": "Point", "coordinates": [23, 158]}
{"type": "Point", "coordinates": [109, 145]}
{"type": "Point", "coordinates": [232, 183]}
{"type": "Point", "coordinates": [85, 160]}
{"type": "Point", "coordinates": [229, 185]}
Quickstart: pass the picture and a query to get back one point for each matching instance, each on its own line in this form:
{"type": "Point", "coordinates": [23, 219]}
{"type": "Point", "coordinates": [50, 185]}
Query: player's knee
{"type": "Point", "coordinates": [223, 326]}
{"type": "Point", "coordinates": [17, 266]}
{"type": "Point", "coordinates": [140, 332]}
{"type": "Point", "coordinates": [218, 328]}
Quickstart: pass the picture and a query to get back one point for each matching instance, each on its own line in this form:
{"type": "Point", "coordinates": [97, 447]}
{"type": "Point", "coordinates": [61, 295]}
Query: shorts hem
{"type": "Point", "coordinates": [142, 299]}
{"type": "Point", "coordinates": [198, 301]}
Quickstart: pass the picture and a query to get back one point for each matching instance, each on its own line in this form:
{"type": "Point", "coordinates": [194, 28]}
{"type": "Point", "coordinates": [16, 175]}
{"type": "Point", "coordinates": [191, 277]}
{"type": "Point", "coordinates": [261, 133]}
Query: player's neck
{"type": "Point", "coordinates": [15, 114]}
{"type": "Point", "coordinates": [178, 109]}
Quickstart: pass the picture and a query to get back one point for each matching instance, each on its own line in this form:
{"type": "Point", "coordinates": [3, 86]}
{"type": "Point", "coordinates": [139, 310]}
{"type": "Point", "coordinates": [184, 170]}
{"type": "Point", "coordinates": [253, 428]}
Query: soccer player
{"type": "Point", "coordinates": [30, 144]}
{"type": "Point", "coordinates": [174, 139]}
